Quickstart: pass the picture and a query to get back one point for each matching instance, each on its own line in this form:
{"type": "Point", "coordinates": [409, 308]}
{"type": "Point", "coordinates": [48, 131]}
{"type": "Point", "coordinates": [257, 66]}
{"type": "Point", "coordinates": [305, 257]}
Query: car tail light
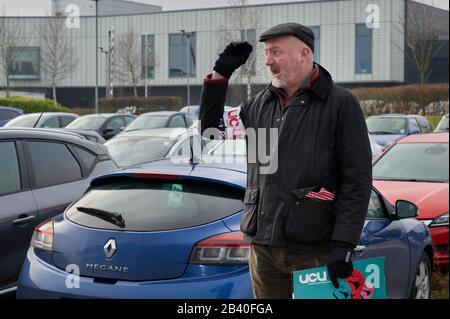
{"type": "Point", "coordinates": [223, 249]}
{"type": "Point", "coordinates": [43, 236]}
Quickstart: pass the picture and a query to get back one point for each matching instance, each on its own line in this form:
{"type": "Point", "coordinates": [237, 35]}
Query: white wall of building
{"type": "Point", "coordinates": [337, 20]}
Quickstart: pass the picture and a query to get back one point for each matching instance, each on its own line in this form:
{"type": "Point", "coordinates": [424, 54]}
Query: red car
{"type": "Point", "coordinates": [415, 168]}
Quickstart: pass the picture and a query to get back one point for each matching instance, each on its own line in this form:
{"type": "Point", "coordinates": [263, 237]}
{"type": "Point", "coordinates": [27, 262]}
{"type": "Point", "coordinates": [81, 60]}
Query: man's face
{"type": "Point", "coordinates": [283, 57]}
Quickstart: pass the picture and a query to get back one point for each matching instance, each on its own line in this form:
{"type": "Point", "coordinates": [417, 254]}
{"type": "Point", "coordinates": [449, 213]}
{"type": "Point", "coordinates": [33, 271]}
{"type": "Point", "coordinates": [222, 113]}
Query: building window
{"type": "Point", "coordinates": [363, 55]}
{"type": "Point", "coordinates": [25, 64]}
{"type": "Point", "coordinates": [178, 54]}
{"type": "Point", "coordinates": [148, 55]}
{"type": "Point", "coordinates": [316, 31]}
{"type": "Point", "coordinates": [249, 35]}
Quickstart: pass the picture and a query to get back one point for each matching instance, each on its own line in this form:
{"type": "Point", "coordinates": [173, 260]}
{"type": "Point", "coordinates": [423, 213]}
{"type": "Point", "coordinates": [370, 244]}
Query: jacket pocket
{"type": "Point", "coordinates": [309, 220]}
{"type": "Point", "coordinates": [250, 217]}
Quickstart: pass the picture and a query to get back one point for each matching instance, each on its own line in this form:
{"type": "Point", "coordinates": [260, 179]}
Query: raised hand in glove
{"type": "Point", "coordinates": [340, 262]}
{"type": "Point", "coordinates": [234, 55]}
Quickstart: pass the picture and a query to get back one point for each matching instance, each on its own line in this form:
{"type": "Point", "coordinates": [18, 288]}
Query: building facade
{"type": "Point", "coordinates": [361, 43]}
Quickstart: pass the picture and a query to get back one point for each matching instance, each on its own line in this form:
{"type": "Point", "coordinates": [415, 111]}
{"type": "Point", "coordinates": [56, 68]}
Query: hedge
{"type": "Point", "coordinates": [139, 105]}
{"type": "Point", "coordinates": [32, 105]}
{"type": "Point", "coordinates": [427, 99]}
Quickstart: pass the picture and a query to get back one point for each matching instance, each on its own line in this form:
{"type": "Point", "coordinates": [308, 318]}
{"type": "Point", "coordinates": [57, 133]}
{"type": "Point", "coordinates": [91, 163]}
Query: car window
{"type": "Point", "coordinates": [157, 205]}
{"type": "Point", "coordinates": [414, 126]}
{"type": "Point", "coordinates": [9, 168]}
{"type": "Point", "coordinates": [386, 125]}
{"type": "Point", "coordinates": [86, 157]}
{"type": "Point", "coordinates": [13, 114]}
{"type": "Point", "coordinates": [147, 121]}
{"type": "Point", "coordinates": [127, 151]}
{"type": "Point", "coordinates": [184, 149]}
{"type": "Point", "coordinates": [5, 115]}
{"type": "Point", "coordinates": [115, 124]}
{"type": "Point", "coordinates": [65, 120]}
{"type": "Point", "coordinates": [128, 119]}
{"type": "Point", "coordinates": [425, 162]}
{"type": "Point", "coordinates": [51, 122]}
{"type": "Point", "coordinates": [190, 119]}
{"type": "Point", "coordinates": [375, 209]}
{"type": "Point", "coordinates": [443, 125]}
{"type": "Point", "coordinates": [53, 163]}
{"type": "Point", "coordinates": [425, 126]}
{"type": "Point", "coordinates": [87, 123]}
{"type": "Point", "coordinates": [177, 121]}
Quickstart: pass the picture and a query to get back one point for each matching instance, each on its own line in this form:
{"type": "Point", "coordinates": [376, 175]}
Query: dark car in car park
{"type": "Point", "coordinates": [106, 124]}
{"type": "Point", "coordinates": [43, 120]}
{"type": "Point", "coordinates": [8, 113]}
{"type": "Point", "coordinates": [42, 171]}
{"type": "Point", "coordinates": [388, 128]}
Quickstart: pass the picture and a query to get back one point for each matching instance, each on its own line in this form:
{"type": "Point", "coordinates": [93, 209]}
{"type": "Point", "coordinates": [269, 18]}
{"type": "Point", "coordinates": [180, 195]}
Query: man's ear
{"type": "Point", "coordinates": [305, 52]}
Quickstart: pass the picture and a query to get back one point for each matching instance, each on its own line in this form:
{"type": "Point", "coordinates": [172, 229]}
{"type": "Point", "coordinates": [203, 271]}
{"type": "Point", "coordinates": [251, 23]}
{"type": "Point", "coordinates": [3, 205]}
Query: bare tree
{"type": "Point", "coordinates": [58, 57]}
{"type": "Point", "coordinates": [422, 29]}
{"type": "Point", "coordinates": [11, 36]}
{"type": "Point", "coordinates": [130, 62]}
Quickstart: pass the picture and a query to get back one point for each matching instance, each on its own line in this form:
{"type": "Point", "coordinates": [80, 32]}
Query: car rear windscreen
{"type": "Point", "coordinates": [152, 205]}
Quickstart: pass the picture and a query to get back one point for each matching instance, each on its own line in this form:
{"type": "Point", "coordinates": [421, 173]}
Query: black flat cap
{"type": "Point", "coordinates": [297, 30]}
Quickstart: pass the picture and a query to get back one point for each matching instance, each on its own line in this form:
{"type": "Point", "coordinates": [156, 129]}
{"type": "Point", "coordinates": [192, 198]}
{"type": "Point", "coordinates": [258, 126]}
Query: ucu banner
{"type": "Point", "coordinates": [367, 281]}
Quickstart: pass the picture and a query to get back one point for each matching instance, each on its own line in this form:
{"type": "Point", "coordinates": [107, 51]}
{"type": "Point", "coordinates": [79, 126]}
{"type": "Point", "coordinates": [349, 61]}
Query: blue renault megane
{"type": "Point", "coordinates": [165, 230]}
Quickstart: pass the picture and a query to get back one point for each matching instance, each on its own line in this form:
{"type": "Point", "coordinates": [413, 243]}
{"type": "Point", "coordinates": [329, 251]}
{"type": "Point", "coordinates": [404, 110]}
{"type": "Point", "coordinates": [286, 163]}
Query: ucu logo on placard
{"type": "Point", "coordinates": [313, 277]}
{"type": "Point", "coordinates": [234, 125]}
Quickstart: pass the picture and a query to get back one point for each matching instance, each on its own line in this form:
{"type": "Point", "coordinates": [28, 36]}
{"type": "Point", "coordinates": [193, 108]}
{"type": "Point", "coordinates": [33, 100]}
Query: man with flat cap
{"type": "Point", "coordinates": [310, 211]}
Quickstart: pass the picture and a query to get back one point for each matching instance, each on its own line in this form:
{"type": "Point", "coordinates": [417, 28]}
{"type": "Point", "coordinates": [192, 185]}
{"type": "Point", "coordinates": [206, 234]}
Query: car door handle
{"type": "Point", "coordinates": [359, 249]}
{"type": "Point", "coordinates": [23, 219]}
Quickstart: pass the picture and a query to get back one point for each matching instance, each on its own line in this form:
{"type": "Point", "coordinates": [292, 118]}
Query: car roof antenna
{"type": "Point", "coordinates": [39, 118]}
{"type": "Point", "coordinates": [193, 160]}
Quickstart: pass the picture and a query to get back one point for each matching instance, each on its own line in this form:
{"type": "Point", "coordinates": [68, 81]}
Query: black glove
{"type": "Point", "coordinates": [234, 55]}
{"type": "Point", "coordinates": [340, 262]}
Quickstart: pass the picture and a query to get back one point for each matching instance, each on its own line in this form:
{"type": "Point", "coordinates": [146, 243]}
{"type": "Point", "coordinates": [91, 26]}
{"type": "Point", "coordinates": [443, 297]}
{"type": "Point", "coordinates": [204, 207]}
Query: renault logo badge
{"type": "Point", "coordinates": [110, 248]}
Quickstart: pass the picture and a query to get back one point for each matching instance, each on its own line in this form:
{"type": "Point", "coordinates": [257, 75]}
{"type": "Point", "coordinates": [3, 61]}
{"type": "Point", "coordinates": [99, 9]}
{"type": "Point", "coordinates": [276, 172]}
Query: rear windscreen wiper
{"type": "Point", "coordinates": [111, 217]}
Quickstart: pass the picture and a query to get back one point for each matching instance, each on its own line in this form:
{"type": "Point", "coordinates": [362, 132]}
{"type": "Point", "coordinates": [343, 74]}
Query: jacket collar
{"type": "Point", "coordinates": [323, 83]}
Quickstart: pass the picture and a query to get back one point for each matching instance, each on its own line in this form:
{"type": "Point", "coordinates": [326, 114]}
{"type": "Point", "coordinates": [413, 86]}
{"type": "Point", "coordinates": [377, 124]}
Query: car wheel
{"type": "Point", "coordinates": [421, 288]}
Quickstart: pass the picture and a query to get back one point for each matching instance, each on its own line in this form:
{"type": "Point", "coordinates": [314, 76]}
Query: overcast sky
{"type": "Point", "coordinates": [41, 7]}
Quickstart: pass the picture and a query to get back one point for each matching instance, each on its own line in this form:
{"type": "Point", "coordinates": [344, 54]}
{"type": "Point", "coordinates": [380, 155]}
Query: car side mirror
{"type": "Point", "coordinates": [406, 209]}
{"type": "Point", "coordinates": [108, 130]}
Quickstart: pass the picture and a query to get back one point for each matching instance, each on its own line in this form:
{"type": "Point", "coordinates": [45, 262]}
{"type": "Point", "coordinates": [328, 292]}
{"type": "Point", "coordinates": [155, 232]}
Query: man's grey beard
{"type": "Point", "coordinates": [278, 83]}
